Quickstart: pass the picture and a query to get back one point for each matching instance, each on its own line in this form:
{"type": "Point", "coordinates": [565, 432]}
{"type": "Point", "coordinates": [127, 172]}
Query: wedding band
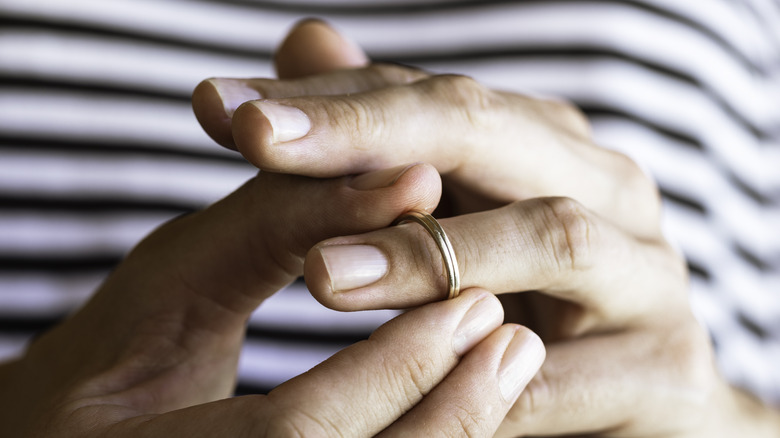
{"type": "Point", "coordinates": [433, 228]}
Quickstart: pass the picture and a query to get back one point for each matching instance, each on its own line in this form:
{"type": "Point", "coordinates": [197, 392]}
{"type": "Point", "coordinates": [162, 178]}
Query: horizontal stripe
{"type": "Point", "coordinates": [30, 233]}
{"type": "Point", "coordinates": [705, 247]}
{"type": "Point", "coordinates": [662, 139]}
{"type": "Point", "coordinates": [682, 201]}
{"type": "Point", "coordinates": [745, 100]}
{"type": "Point", "coordinates": [45, 296]}
{"type": "Point", "coordinates": [676, 107]}
{"type": "Point", "coordinates": [754, 328]}
{"type": "Point", "coordinates": [233, 17]}
{"type": "Point", "coordinates": [749, 223]}
{"type": "Point", "coordinates": [73, 202]}
{"type": "Point", "coordinates": [15, 263]}
{"type": "Point", "coordinates": [756, 261]}
{"type": "Point", "coordinates": [119, 62]}
{"type": "Point", "coordinates": [102, 118]}
{"type": "Point", "coordinates": [31, 144]}
{"type": "Point", "coordinates": [697, 271]}
{"type": "Point", "coordinates": [179, 78]}
{"type": "Point", "coordinates": [87, 176]}
{"type": "Point", "coordinates": [743, 359]}
{"type": "Point", "coordinates": [57, 110]}
{"type": "Point", "coordinates": [27, 325]}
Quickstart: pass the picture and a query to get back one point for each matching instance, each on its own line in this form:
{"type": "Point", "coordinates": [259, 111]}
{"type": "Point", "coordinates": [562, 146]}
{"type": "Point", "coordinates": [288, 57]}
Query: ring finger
{"type": "Point", "coordinates": [552, 245]}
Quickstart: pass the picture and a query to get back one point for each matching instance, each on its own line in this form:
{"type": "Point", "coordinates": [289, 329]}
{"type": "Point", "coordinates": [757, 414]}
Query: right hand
{"type": "Point", "coordinates": [155, 351]}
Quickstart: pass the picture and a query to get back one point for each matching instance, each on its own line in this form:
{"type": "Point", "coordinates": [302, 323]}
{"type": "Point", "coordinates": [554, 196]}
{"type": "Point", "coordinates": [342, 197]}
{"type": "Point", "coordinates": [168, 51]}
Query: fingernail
{"type": "Point", "coordinates": [353, 266]}
{"type": "Point", "coordinates": [287, 122]}
{"type": "Point", "coordinates": [380, 178]}
{"type": "Point", "coordinates": [522, 359]}
{"type": "Point", "coordinates": [233, 93]}
{"type": "Point", "coordinates": [480, 320]}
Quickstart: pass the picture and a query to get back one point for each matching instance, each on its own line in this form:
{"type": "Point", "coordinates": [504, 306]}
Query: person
{"type": "Point", "coordinates": [626, 360]}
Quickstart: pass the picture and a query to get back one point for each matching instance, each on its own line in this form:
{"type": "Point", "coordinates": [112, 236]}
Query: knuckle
{"type": "Point", "coordinates": [637, 187]}
{"type": "Point", "coordinates": [475, 104]}
{"type": "Point", "coordinates": [387, 73]}
{"type": "Point", "coordinates": [407, 378]}
{"type": "Point", "coordinates": [567, 233]}
{"type": "Point", "coordinates": [356, 117]}
{"type": "Point", "coordinates": [570, 116]}
{"type": "Point", "coordinates": [296, 423]}
{"type": "Point", "coordinates": [468, 422]}
{"type": "Point", "coordinates": [411, 379]}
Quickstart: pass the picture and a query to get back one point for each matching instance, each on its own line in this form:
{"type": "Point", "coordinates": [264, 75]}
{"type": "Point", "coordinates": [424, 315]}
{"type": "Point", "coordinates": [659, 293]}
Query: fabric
{"type": "Point", "coordinates": [98, 144]}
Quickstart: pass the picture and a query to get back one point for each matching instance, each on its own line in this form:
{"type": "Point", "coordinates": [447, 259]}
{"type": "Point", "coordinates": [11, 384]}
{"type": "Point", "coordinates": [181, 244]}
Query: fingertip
{"type": "Point", "coordinates": [313, 47]}
{"type": "Point", "coordinates": [252, 133]}
{"type": "Point", "coordinates": [378, 199]}
{"type": "Point", "coordinates": [479, 294]}
{"type": "Point", "coordinates": [422, 183]}
{"type": "Point", "coordinates": [484, 315]}
{"type": "Point", "coordinates": [315, 274]}
{"type": "Point", "coordinates": [470, 401]}
{"type": "Point", "coordinates": [523, 357]}
{"type": "Point", "coordinates": [334, 269]}
{"type": "Point", "coordinates": [210, 112]}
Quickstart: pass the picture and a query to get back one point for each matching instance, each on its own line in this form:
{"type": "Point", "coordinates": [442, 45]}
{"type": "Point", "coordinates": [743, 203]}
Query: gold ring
{"type": "Point", "coordinates": [433, 228]}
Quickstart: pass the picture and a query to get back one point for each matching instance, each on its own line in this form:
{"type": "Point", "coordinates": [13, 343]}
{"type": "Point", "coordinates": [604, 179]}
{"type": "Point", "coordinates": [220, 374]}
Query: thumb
{"type": "Point", "coordinates": [252, 243]}
{"type": "Point", "coordinates": [181, 298]}
{"type": "Point", "coordinates": [313, 47]}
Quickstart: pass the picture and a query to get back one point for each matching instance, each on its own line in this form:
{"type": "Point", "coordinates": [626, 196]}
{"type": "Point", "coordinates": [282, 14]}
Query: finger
{"type": "Point", "coordinates": [475, 396]}
{"type": "Point", "coordinates": [314, 47]}
{"type": "Point", "coordinates": [553, 245]}
{"type": "Point", "coordinates": [503, 146]}
{"type": "Point", "coordinates": [360, 390]}
{"type": "Point", "coordinates": [247, 246]}
{"type": "Point", "coordinates": [196, 280]}
{"type": "Point", "coordinates": [630, 384]}
{"type": "Point", "coordinates": [215, 100]}
{"type": "Point", "coordinates": [311, 47]}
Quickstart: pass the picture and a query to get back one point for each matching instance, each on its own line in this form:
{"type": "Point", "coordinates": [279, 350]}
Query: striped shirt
{"type": "Point", "coordinates": [98, 144]}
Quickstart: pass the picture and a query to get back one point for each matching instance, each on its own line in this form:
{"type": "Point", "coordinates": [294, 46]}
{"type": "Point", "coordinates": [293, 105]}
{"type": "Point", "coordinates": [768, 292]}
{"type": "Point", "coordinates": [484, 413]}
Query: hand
{"type": "Point", "coordinates": [491, 148]}
{"type": "Point", "coordinates": [626, 357]}
{"type": "Point", "coordinates": [154, 353]}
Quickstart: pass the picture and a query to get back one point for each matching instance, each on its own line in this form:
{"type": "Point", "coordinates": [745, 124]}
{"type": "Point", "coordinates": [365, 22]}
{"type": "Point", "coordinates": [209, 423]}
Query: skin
{"type": "Point", "coordinates": [155, 351]}
{"type": "Point", "coordinates": [566, 232]}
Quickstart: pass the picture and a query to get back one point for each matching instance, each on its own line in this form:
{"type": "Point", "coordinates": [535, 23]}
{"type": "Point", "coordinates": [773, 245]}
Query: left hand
{"type": "Point", "coordinates": [625, 355]}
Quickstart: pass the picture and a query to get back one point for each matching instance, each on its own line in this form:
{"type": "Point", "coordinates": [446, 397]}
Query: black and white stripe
{"type": "Point", "coordinates": [98, 144]}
